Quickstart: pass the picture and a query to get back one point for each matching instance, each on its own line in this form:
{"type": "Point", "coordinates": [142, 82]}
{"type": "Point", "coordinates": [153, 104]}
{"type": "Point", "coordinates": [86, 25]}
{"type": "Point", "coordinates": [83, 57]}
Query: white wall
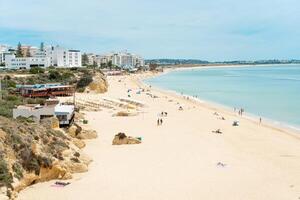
{"type": "Point", "coordinates": [11, 62]}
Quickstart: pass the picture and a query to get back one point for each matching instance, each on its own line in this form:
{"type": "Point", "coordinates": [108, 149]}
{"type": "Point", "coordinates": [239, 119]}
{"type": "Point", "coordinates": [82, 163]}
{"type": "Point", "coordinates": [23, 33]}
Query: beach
{"type": "Point", "coordinates": [182, 158]}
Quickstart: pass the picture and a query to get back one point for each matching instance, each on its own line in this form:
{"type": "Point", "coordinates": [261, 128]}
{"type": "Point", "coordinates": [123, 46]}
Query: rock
{"type": "Point", "coordinates": [55, 172]}
{"type": "Point", "coordinates": [87, 134]}
{"type": "Point", "coordinates": [99, 84]}
{"type": "Point", "coordinates": [52, 123]}
{"type": "Point", "coordinates": [77, 167]}
{"type": "Point", "coordinates": [79, 143]}
{"type": "Point", "coordinates": [28, 179]}
{"type": "Point", "coordinates": [74, 130]}
{"type": "Point", "coordinates": [85, 159]}
{"type": "Point", "coordinates": [67, 153]}
{"type": "Point", "coordinates": [67, 176]}
{"type": "Point", "coordinates": [2, 135]}
{"type": "Point", "coordinates": [121, 139]}
{"type": "Point", "coordinates": [124, 114]}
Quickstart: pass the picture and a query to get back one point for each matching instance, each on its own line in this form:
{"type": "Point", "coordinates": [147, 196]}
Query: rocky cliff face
{"type": "Point", "coordinates": [31, 153]}
{"type": "Point", "coordinates": [99, 84]}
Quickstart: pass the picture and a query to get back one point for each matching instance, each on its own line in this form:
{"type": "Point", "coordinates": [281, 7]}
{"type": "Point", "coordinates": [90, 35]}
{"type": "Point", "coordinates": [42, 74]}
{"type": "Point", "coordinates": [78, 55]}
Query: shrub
{"type": "Point", "coordinates": [84, 81]}
{"type": "Point", "coordinates": [25, 119]}
{"type": "Point", "coordinates": [5, 177]}
{"type": "Point", "coordinates": [36, 70]}
{"type": "Point", "coordinates": [80, 90]}
{"type": "Point", "coordinates": [18, 170]}
{"type": "Point", "coordinates": [29, 161]}
{"type": "Point", "coordinates": [54, 75]}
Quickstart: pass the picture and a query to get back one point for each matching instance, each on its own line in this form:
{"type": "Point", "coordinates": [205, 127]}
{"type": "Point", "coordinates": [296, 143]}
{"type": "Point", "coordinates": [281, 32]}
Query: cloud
{"type": "Point", "coordinates": [205, 29]}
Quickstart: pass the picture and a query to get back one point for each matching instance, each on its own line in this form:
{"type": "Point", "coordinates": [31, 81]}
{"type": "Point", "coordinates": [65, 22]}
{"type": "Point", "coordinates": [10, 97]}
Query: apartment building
{"type": "Point", "coordinates": [13, 62]}
{"type": "Point", "coordinates": [127, 60]}
{"type": "Point", "coordinates": [61, 57]}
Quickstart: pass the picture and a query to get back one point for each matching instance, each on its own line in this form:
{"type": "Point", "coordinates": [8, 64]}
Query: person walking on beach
{"type": "Point", "coordinates": [260, 120]}
{"type": "Point", "coordinates": [161, 121]}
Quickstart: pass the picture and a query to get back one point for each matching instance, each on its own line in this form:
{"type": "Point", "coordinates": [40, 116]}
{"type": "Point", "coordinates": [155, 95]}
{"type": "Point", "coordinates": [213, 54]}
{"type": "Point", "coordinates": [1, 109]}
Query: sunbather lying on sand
{"type": "Point", "coordinates": [218, 131]}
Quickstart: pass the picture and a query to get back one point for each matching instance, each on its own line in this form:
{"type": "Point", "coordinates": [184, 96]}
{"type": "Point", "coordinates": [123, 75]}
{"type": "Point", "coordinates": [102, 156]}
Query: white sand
{"type": "Point", "coordinates": [179, 159]}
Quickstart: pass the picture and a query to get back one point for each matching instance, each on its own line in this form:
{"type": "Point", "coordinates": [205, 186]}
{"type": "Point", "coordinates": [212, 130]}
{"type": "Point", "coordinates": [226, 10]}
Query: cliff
{"type": "Point", "coordinates": [32, 153]}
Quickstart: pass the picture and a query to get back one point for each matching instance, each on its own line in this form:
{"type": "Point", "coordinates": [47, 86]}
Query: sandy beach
{"type": "Point", "coordinates": [181, 159]}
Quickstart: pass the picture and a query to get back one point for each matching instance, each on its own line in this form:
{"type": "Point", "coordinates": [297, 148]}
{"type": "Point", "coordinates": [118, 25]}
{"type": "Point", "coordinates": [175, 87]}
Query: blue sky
{"type": "Point", "coordinates": [202, 29]}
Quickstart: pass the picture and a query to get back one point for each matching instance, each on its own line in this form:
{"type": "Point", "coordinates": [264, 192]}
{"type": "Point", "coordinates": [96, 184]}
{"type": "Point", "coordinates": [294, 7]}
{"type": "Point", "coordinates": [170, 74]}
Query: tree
{"type": "Point", "coordinates": [42, 47]}
{"type": "Point", "coordinates": [103, 65]}
{"type": "Point", "coordinates": [109, 64]}
{"type": "Point", "coordinates": [153, 66]}
{"type": "Point", "coordinates": [19, 50]}
{"type": "Point", "coordinates": [84, 59]}
{"type": "Point", "coordinates": [95, 64]}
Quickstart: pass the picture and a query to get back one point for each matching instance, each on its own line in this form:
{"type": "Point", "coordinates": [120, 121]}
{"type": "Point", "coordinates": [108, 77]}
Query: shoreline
{"type": "Point", "coordinates": [257, 162]}
{"type": "Point", "coordinates": [271, 123]}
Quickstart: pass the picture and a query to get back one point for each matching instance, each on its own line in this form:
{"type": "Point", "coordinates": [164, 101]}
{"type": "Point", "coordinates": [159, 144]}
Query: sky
{"type": "Point", "coordinates": [213, 30]}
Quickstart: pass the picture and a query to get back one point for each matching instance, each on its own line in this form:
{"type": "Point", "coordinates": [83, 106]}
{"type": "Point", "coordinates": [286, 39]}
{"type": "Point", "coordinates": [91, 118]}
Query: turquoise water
{"type": "Point", "coordinates": [272, 92]}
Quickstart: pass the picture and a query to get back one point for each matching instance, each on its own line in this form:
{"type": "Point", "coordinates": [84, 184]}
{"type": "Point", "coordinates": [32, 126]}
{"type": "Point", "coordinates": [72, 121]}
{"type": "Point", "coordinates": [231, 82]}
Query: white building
{"type": "Point", "coordinates": [4, 51]}
{"type": "Point", "coordinates": [127, 60]}
{"type": "Point", "coordinates": [64, 113]}
{"type": "Point", "coordinates": [61, 57]}
{"type": "Point", "coordinates": [13, 62]}
{"type": "Point", "coordinates": [122, 59]}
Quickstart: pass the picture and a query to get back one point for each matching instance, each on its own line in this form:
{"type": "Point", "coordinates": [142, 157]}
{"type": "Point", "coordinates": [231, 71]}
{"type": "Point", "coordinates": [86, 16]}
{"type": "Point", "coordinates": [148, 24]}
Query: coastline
{"type": "Point", "coordinates": [180, 159]}
{"type": "Point", "coordinates": [268, 122]}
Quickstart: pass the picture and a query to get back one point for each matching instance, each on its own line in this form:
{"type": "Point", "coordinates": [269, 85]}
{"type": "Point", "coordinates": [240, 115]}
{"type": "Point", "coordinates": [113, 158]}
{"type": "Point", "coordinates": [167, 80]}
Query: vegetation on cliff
{"type": "Point", "coordinates": [31, 153]}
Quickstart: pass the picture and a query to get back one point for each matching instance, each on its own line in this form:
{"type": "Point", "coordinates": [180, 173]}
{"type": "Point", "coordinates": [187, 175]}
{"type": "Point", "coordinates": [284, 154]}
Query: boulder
{"type": "Point", "coordinates": [121, 139]}
{"type": "Point", "coordinates": [87, 134]}
{"type": "Point", "coordinates": [73, 167]}
{"type": "Point", "coordinates": [28, 179]}
{"type": "Point", "coordinates": [79, 143]}
{"type": "Point", "coordinates": [74, 130]}
{"type": "Point", "coordinates": [125, 114]}
{"type": "Point", "coordinates": [55, 172]}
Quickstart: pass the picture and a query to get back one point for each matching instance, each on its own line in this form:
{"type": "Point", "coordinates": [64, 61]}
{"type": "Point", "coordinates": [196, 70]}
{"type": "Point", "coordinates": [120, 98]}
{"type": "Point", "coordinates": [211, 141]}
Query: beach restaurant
{"type": "Point", "coordinates": [45, 90]}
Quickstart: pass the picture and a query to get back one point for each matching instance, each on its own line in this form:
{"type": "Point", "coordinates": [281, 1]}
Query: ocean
{"type": "Point", "coordinates": [271, 92]}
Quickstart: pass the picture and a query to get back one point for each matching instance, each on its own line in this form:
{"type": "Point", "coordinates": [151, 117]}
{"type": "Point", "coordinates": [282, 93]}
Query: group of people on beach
{"type": "Point", "coordinates": [240, 112]}
{"type": "Point", "coordinates": [160, 120]}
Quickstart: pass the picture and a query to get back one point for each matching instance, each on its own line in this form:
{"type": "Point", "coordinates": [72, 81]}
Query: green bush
{"type": "Point", "coordinates": [81, 90]}
{"type": "Point", "coordinates": [54, 75]}
{"type": "Point", "coordinates": [36, 70]}
{"type": "Point", "coordinates": [5, 176]}
{"type": "Point", "coordinates": [84, 81]}
{"type": "Point", "coordinates": [18, 170]}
